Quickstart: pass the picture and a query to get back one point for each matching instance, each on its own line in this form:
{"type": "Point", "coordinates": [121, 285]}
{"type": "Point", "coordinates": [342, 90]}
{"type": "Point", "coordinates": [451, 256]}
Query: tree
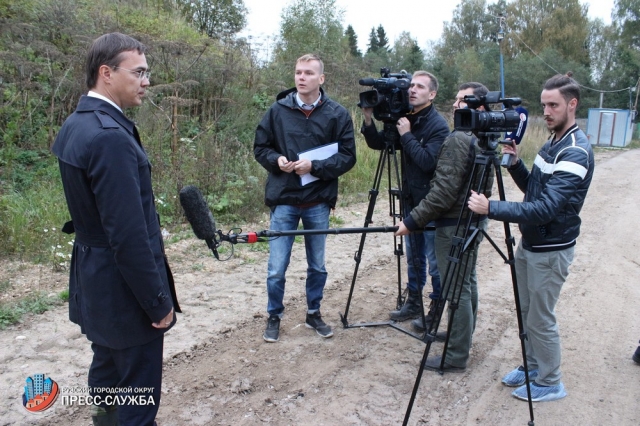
{"type": "Point", "coordinates": [372, 46]}
{"type": "Point", "coordinates": [540, 24]}
{"type": "Point", "coordinates": [352, 39]}
{"type": "Point", "coordinates": [383, 41]}
{"type": "Point", "coordinates": [218, 19]}
{"type": "Point", "coordinates": [407, 54]}
{"type": "Point", "coordinates": [624, 69]}
{"type": "Point", "coordinates": [310, 26]}
{"type": "Point", "coordinates": [470, 27]}
{"type": "Point", "coordinates": [602, 44]}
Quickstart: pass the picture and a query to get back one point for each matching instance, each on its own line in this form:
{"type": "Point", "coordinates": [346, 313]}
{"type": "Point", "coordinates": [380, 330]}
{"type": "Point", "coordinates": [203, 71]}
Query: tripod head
{"type": "Point", "coordinates": [391, 135]}
{"type": "Point", "coordinates": [488, 141]}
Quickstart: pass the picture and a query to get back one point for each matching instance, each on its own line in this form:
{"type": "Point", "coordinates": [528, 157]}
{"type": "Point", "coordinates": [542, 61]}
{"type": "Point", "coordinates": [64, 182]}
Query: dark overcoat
{"type": "Point", "coordinates": [119, 280]}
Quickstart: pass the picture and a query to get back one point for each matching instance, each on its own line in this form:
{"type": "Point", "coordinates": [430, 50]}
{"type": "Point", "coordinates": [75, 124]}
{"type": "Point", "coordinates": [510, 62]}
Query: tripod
{"type": "Point", "coordinates": [469, 231]}
{"type": "Point", "coordinates": [388, 158]}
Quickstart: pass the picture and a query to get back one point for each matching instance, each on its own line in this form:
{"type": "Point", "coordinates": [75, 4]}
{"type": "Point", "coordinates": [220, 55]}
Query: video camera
{"type": "Point", "coordinates": [487, 125]}
{"type": "Point", "coordinates": [389, 97]}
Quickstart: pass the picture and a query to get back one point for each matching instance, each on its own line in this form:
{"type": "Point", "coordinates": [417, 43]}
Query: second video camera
{"type": "Point", "coordinates": [487, 124]}
{"type": "Point", "coordinates": [389, 97]}
{"type": "Point", "coordinates": [469, 119]}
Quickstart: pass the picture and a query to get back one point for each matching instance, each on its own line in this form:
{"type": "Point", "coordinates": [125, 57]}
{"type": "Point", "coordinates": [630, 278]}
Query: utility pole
{"type": "Point", "coordinates": [500, 37]}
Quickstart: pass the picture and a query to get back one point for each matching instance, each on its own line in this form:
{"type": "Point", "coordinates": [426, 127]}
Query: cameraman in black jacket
{"type": "Point", "coordinates": [421, 132]}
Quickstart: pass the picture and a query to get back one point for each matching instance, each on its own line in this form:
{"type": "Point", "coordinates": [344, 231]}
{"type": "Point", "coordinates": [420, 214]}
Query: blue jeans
{"type": "Point", "coordinates": [286, 218]}
{"type": "Point", "coordinates": [425, 250]}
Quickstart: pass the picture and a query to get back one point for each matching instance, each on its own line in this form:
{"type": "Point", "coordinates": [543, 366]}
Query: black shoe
{"type": "Point", "coordinates": [410, 309]}
{"type": "Point", "coordinates": [272, 332]}
{"type": "Point", "coordinates": [441, 336]}
{"type": "Point", "coordinates": [417, 323]}
{"type": "Point", "coordinates": [433, 364]}
{"type": "Point", "coordinates": [315, 321]}
{"type": "Point", "coordinates": [636, 356]}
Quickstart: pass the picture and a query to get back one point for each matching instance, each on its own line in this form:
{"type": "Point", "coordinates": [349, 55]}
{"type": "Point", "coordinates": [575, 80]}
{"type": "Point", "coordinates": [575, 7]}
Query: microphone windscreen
{"type": "Point", "coordinates": [198, 213]}
{"type": "Point", "coordinates": [517, 134]}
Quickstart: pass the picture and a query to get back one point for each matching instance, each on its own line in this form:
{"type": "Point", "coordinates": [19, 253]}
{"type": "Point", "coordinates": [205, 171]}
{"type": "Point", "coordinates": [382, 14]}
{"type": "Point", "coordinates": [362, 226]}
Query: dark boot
{"type": "Point", "coordinates": [636, 355]}
{"type": "Point", "coordinates": [410, 309]}
{"type": "Point", "coordinates": [104, 416]}
{"type": "Point", "coordinates": [428, 319]}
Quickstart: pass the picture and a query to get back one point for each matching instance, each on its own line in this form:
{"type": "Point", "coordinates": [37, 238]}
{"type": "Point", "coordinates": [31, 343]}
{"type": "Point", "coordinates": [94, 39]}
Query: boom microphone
{"type": "Point", "coordinates": [199, 216]}
{"type": "Point", "coordinates": [516, 135]}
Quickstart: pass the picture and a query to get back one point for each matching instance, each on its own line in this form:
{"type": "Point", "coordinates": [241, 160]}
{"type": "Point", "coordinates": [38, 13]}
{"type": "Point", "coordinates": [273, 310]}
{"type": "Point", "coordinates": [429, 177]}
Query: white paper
{"type": "Point", "coordinates": [319, 153]}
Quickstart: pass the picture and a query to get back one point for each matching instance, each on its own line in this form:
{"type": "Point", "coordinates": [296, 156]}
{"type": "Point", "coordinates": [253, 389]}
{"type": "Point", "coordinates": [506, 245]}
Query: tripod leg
{"type": "Point", "coordinates": [522, 334]}
{"type": "Point", "coordinates": [373, 196]}
{"type": "Point", "coordinates": [460, 263]}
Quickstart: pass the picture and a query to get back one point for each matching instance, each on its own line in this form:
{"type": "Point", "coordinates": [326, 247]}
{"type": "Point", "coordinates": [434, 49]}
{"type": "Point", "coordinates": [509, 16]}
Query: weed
{"type": "Point", "coordinates": [37, 303]}
{"type": "Point", "coordinates": [335, 221]}
{"type": "Point", "coordinates": [64, 295]}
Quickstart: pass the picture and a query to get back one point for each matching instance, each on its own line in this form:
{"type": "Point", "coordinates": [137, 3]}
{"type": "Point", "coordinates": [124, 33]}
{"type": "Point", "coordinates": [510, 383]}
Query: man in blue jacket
{"type": "Point", "coordinates": [120, 287]}
{"type": "Point", "coordinates": [421, 133]}
{"type": "Point", "coordinates": [299, 189]}
{"type": "Point", "coordinates": [548, 218]}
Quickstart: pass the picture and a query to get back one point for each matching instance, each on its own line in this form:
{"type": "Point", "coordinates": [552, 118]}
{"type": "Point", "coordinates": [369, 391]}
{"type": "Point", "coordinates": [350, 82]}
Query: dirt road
{"type": "Point", "coordinates": [219, 371]}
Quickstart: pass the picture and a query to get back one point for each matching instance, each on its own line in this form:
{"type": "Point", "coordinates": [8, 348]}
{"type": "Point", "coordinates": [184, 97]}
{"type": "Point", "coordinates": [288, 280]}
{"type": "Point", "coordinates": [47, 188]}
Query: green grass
{"type": "Point", "coordinates": [37, 303]}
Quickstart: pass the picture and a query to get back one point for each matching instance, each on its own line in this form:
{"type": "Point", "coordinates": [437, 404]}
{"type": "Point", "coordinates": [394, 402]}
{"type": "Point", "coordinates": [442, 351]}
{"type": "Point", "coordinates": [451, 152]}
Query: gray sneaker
{"type": "Point", "coordinates": [315, 321]}
{"type": "Point", "coordinates": [272, 332]}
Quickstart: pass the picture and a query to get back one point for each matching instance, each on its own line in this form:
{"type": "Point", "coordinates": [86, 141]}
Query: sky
{"type": "Point", "coordinates": [423, 19]}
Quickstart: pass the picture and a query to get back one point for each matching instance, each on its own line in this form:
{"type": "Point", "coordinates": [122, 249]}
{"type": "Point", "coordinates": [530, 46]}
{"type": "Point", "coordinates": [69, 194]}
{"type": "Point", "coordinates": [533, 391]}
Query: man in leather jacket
{"type": "Point", "coordinates": [548, 218]}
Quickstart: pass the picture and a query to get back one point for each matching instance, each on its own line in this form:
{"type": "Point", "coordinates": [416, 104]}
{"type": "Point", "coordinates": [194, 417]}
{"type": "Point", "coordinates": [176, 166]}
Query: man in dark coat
{"type": "Point", "coordinates": [120, 287]}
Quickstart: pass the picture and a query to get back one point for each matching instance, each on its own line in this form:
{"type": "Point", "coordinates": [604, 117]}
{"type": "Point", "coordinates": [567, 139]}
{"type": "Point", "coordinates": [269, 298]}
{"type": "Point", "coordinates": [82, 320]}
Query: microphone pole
{"type": "Point", "coordinates": [254, 237]}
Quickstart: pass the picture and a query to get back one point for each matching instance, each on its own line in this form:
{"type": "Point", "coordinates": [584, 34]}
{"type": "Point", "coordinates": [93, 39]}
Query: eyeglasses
{"type": "Point", "coordinates": [142, 74]}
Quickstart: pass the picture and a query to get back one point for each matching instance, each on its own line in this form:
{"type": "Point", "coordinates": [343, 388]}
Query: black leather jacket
{"type": "Point", "coordinates": [554, 193]}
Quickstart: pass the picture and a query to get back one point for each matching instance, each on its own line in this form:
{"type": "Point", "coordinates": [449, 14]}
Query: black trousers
{"type": "Point", "coordinates": [130, 378]}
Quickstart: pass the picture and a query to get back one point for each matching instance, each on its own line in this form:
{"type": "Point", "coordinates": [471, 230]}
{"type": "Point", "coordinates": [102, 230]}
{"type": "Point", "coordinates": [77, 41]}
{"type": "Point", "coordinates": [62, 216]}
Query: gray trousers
{"type": "Point", "coordinates": [540, 278]}
{"type": "Point", "coordinates": [464, 319]}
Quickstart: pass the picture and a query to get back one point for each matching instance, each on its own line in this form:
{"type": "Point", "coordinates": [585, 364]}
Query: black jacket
{"type": "Point", "coordinates": [554, 193]}
{"type": "Point", "coordinates": [119, 281]}
{"type": "Point", "coordinates": [286, 130]}
{"type": "Point", "coordinates": [420, 146]}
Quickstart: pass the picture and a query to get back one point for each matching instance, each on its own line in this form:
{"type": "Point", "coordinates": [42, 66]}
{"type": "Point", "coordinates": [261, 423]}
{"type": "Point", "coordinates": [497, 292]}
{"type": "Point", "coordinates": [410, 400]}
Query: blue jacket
{"type": "Point", "coordinates": [286, 130]}
{"type": "Point", "coordinates": [119, 280]}
{"type": "Point", "coordinates": [555, 191]}
{"type": "Point", "coordinates": [420, 146]}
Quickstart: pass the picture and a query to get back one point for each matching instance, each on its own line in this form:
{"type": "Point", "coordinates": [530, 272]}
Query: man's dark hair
{"type": "Point", "coordinates": [106, 50]}
{"type": "Point", "coordinates": [479, 89]}
{"type": "Point", "coordinates": [568, 87]}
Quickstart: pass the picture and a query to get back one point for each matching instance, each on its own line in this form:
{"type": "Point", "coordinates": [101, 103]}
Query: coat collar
{"type": "Point", "coordinates": [90, 104]}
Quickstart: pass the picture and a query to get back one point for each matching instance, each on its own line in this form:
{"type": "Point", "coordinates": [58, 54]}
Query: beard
{"type": "Point", "coordinates": [558, 123]}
